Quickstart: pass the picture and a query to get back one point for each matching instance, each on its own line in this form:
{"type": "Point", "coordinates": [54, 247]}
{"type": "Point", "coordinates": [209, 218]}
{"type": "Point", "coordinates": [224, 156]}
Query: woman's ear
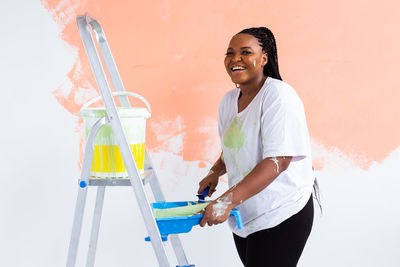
{"type": "Point", "coordinates": [264, 59]}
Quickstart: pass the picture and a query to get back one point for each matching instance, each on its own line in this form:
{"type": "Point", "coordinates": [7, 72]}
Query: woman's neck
{"type": "Point", "coordinates": [251, 89]}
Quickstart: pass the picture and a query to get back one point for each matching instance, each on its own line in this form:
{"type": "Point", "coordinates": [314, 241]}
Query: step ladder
{"type": "Point", "coordinates": [86, 26]}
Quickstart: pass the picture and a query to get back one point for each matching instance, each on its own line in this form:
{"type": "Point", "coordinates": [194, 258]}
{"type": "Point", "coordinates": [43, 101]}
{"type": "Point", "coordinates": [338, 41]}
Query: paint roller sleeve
{"type": "Point", "coordinates": [179, 211]}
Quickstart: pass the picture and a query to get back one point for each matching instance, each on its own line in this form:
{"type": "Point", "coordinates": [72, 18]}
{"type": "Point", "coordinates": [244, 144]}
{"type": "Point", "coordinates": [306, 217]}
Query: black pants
{"type": "Point", "coordinates": [280, 246]}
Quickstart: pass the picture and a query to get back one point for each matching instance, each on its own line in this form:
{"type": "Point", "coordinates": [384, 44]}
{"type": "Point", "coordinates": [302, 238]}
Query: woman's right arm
{"type": "Point", "coordinates": [212, 178]}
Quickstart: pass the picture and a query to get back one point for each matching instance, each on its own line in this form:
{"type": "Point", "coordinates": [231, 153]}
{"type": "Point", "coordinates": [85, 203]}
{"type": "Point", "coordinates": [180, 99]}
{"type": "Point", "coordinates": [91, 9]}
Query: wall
{"type": "Point", "coordinates": [341, 57]}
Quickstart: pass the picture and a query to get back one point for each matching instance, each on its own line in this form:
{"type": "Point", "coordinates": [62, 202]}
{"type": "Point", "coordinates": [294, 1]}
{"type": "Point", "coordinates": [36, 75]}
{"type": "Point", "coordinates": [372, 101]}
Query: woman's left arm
{"type": "Point", "coordinates": [259, 178]}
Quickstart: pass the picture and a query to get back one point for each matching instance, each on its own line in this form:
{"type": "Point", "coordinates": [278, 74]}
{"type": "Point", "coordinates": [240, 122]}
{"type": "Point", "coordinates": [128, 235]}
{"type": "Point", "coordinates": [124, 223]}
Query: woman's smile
{"type": "Point", "coordinates": [236, 69]}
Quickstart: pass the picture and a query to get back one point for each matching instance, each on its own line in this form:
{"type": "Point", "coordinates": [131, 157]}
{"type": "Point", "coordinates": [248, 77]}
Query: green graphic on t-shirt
{"type": "Point", "coordinates": [234, 136]}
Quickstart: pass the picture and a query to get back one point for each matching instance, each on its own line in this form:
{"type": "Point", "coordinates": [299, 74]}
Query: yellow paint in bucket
{"type": "Point", "coordinates": [107, 160]}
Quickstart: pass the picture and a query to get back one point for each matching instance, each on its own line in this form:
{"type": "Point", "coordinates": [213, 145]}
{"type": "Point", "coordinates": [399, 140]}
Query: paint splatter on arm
{"type": "Point", "coordinates": [275, 160]}
{"type": "Point", "coordinates": [258, 178]}
{"type": "Point", "coordinates": [221, 205]}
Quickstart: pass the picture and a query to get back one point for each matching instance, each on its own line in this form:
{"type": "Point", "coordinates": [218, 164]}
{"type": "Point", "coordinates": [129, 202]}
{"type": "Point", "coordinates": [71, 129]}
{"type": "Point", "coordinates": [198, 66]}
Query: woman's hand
{"type": "Point", "coordinates": [216, 212]}
{"type": "Point", "coordinates": [211, 180]}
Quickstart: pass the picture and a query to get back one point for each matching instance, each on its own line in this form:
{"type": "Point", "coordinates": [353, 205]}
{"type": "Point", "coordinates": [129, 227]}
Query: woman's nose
{"type": "Point", "coordinates": [236, 57]}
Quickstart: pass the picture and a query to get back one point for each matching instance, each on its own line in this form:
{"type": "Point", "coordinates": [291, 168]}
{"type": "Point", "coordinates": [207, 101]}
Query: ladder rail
{"type": "Point", "coordinates": [108, 58]}
{"type": "Point", "coordinates": [153, 181]}
{"type": "Point", "coordinates": [82, 193]}
{"type": "Point", "coordinates": [95, 226]}
{"type": "Point", "coordinates": [159, 197]}
{"type": "Point", "coordinates": [122, 142]}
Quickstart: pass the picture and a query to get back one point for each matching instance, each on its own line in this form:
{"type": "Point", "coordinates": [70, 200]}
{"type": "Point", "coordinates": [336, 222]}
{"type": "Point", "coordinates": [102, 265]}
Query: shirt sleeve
{"type": "Point", "coordinates": [284, 129]}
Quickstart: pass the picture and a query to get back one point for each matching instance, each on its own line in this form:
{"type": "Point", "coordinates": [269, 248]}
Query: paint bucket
{"type": "Point", "coordinates": [107, 160]}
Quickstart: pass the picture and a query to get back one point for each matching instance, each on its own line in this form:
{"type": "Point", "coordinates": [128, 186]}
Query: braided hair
{"type": "Point", "coordinates": [268, 45]}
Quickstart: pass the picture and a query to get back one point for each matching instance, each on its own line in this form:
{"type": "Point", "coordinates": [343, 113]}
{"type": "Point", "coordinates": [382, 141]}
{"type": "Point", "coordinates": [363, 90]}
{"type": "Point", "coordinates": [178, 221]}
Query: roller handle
{"type": "Point", "coordinates": [203, 194]}
{"type": "Point", "coordinates": [238, 218]}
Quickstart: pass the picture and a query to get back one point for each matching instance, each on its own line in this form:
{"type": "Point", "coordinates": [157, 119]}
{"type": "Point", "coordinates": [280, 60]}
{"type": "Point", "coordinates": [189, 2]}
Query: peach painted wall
{"type": "Point", "coordinates": [341, 56]}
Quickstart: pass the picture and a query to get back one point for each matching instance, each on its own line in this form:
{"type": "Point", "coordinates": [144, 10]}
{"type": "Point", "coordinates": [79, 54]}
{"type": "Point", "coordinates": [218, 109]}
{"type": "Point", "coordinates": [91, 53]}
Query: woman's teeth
{"type": "Point", "coordinates": [235, 68]}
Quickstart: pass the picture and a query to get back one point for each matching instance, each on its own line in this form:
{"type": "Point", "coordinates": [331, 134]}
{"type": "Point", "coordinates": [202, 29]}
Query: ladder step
{"type": "Point", "coordinates": [146, 176]}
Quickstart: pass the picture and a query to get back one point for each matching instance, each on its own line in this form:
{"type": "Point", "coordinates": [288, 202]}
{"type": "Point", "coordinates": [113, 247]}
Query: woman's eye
{"type": "Point", "coordinates": [228, 53]}
{"type": "Point", "coordinates": [246, 52]}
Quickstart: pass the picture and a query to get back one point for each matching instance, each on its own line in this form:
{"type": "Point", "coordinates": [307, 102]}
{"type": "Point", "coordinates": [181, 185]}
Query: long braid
{"type": "Point", "coordinates": [268, 44]}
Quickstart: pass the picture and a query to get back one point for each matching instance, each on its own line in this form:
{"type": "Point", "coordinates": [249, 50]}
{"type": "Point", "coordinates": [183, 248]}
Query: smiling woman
{"type": "Point", "coordinates": [244, 63]}
{"type": "Point", "coordinates": [266, 154]}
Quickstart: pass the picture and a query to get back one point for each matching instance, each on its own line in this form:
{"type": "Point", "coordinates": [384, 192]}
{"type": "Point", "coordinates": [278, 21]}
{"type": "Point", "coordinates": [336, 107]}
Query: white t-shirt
{"type": "Point", "coordinates": [272, 125]}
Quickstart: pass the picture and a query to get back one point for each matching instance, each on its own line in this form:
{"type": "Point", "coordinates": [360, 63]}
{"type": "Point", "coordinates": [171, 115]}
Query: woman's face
{"type": "Point", "coordinates": [245, 59]}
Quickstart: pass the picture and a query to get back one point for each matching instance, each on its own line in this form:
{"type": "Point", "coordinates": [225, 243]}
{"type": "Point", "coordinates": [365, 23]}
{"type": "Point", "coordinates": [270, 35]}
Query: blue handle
{"type": "Point", "coordinates": [203, 194]}
{"type": "Point", "coordinates": [238, 218]}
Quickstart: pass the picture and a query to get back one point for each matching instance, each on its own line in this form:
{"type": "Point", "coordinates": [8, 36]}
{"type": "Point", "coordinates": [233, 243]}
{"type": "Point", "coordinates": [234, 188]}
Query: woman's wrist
{"type": "Point", "coordinates": [235, 196]}
{"type": "Point", "coordinates": [216, 171]}
{"type": "Point", "coordinates": [218, 168]}
{"type": "Point", "coordinates": [226, 200]}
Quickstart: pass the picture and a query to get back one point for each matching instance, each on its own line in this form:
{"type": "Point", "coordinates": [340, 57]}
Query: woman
{"type": "Point", "coordinates": [266, 154]}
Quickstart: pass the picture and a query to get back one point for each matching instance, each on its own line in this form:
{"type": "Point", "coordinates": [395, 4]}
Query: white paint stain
{"type": "Point", "coordinates": [275, 160]}
{"type": "Point", "coordinates": [222, 204]}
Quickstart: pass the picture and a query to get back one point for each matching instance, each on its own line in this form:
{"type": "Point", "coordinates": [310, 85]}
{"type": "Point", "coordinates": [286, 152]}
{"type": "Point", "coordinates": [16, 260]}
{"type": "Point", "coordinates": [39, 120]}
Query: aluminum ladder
{"type": "Point", "coordinates": [86, 26]}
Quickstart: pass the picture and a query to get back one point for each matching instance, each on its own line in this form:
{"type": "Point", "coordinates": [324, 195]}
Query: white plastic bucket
{"type": "Point", "coordinates": [107, 160]}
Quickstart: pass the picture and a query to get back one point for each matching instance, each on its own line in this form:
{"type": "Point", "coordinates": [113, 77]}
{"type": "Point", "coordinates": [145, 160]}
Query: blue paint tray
{"type": "Point", "coordinates": [184, 224]}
